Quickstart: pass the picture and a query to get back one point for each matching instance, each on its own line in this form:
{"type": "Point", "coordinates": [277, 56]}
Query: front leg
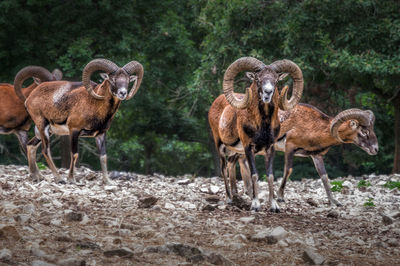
{"type": "Point", "coordinates": [289, 154]}
{"type": "Point", "coordinates": [245, 173]}
{"type": "Point", "coordinates": [319, 165]}
{"type": "Point", "coordinates": [269, 159]}
{"type": "Point", "coordinates": [101, 146]}
{"type": "Point", "coordinates": [74, 137]}
{"type": "Point", "coordinates": [255, 203]}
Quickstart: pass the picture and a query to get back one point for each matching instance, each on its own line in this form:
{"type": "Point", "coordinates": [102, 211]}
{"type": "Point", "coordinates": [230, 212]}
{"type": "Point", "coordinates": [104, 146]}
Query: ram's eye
{"type": "Point", "coordinates": [364, 133]}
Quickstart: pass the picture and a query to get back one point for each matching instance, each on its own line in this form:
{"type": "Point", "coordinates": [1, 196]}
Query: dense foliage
{"type": "Point", "coordinates": [349, 52]}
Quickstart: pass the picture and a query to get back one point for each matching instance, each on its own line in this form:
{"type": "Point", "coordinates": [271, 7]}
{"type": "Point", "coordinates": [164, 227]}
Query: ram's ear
{"type": "Point", "coordinates": [37, 81]}
{"type": "Point", "coordinates": [104, 76]}
{"type": "Point", "coordinates": [282, 76]}
{"type": "Point", "coordinates": [132, 78]}
{"type": "Point", "coordinates": [251, 76]}
{"type": "Point", "coordinates": [353, 124]}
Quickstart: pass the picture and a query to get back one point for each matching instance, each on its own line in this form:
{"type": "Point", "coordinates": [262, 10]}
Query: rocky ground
{"type": "Point", "coordinates": [146, 220]}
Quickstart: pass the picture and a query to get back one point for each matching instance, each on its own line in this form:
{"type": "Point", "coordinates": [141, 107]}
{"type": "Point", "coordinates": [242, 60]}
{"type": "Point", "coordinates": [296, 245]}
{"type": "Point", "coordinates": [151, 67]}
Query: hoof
{"type": "Point", "coordinates": [274, 206]}
{"type": "Point", "coordinates": [107, 182]}
{"type": "Point", "coordinates": [36, 177]}
{"type": "Point", "coordinates": [255, 205]}
{"type": "Point", "coordinates": [337, 203]}
{"type": "Point", "coordinates": [275, 210]}
{"type": "Point", "coordinates": [61, 182]}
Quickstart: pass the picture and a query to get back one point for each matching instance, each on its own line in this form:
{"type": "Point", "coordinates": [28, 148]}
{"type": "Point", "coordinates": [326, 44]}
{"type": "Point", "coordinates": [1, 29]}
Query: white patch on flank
{"type": "Point", "coordinates": [223, 122]}
{"type": "Point", "coordinates": [60, 130]}
{"type": "Point", "coordinates": [59, 93]}
{"type": "Point", "coordinates": [238, 148]}
{"type": "Point", "coordinates": [280, 145]}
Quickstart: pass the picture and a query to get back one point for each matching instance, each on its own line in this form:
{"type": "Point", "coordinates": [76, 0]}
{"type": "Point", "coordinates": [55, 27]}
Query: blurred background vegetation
{"type": "Point", "coordinates": [349, 52]}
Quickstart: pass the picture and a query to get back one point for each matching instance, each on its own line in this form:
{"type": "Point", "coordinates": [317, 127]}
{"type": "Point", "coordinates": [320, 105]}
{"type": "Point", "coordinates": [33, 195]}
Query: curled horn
{"type": "Point", "coordinates": [295, 73]}
{"type": "Point", "coordinates": [365, 118]}
{"type": "Point", "coordinates": [130, 68]}
{"type": "Point", "coordinates": [242, 64]}
{"type": "Point", "coordinates": [27, 72]}
{"type": "Point", "coordinates": [93, 66]}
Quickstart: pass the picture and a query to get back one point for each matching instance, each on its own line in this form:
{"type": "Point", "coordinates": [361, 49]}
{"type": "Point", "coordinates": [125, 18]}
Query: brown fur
{"type": "Point", "coordinates": [306, 132]}
{"type": "Point", "coordinates": [61, 104]}
{"type": "Point", "coordinates": [256, 127]}
{"type": "Point", "coordinates": [14, 118]}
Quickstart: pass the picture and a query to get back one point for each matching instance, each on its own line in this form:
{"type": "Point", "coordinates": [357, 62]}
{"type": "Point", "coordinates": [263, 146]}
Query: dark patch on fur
{"type": "Point", "coordinates": [27, 118]}
{"type": "Point", "coordinates": [234, 158]}
{"type": "Point", "coordinates": [310, 153]}
{"type": "Point", "coordinates": [234, 143]}
{"type": "Point", "coordinates": [281, 138]}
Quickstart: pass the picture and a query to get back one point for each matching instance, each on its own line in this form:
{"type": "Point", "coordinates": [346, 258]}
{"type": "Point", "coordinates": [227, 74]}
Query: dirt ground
{"type": "Point", "coordinates": [159, 220]}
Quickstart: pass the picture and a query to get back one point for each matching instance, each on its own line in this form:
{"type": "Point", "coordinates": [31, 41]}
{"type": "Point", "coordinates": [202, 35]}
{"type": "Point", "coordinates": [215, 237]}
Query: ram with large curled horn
{"type": "Point", "coordinates": [308, 132]}
{"type": "Point", "coordinates": [13, 116]}
{"type": "Point", "coordinates": [248, 123]}
{"type": "Point", "coordinates": [78, 109]}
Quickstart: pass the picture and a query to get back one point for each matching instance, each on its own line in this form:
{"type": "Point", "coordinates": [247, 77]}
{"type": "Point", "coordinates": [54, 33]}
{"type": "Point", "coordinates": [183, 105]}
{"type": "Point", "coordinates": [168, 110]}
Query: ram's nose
{"type": "Point", "coordinates": [122, 93]}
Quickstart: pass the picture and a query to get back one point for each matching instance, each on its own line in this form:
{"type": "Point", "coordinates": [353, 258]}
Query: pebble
{"type": "Point", "coordinates": [5, 254]}
{"type": "Point", "coordinates": [121, 252]}
{"type": "Point", "coordinates": [312, 257]}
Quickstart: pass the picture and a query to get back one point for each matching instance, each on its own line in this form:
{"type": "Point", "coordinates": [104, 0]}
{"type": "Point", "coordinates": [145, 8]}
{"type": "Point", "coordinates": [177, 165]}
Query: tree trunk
{"type": "Point", "coordinates": [396, 163]}
{"type": "Point", "coordinates": [65, 151]}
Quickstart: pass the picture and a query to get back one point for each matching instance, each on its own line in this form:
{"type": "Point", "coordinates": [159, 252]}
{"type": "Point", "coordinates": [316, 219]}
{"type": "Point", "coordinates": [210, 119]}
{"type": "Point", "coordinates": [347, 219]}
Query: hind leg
{"type": "Point", "coordinates": [45, 137]}
{"type": "Point", "coordinates": [231, 166]}
{"type": "Point", "coordinates": [245, 173]}
{"type": "Point", "coordinates": [22, 136]}
{"type": "Point", "coordinates": [32, 146]}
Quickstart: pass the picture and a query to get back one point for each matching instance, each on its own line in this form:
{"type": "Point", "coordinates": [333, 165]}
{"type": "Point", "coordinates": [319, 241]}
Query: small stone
{"type": "Point", "coordinates": [312, 257]}
{"type": "Point", "coordinates": [393, 243]}
{"type": "Point", "coordinates": [22, 218]}
{"type": "Point", "coordinates": [147, 202]}
{"type": "Point", "coordinates": [247, 220]}
{"type": "Point", "coordinates": [42, 263]}
{"type": "Point", "coordinates": [110, 188]}
{"type": "Point", "coordinates": [122, 252]}
{"type": "Point", "coordinates": [212, 199]}
{"type": "Point", "coordinates": [74, 217]}
{"type": "Point", "coordinates": [312, 202]}
{"type": "Point", "coordinates": [56, 222]}
{"type": "Point", "coordinates": [396, 216]}
{"type": "Point", "coordinates": [333, 214]}
{"type": "Point", "coordinates": [260, 236]}
{"type": "Point", "coordinates": [208, 208]}
{"type": "Point", "coordinates": [204, 190]}
{"type": "Point", "coordinates": [347, 184]}
{"type": "Point", "coordinates": [282, 243]}
{"type": "Point", "coordinates": [28, 208]}
{"type": "Point", "coordinates": [345, 191]}
{"type": "Point", "coordinates": [278, 233]}
{"type": "Point", "coordinates": [9, 232]}
{"type": "Point", "coordinates": [214, 189]}
{"type": "Point", "coordinates": [71, 262]}
{"type": "Point", "coordinates": [387, 220]}
{"type": "Point", "coordinates": [188, 205]}
{"type": "Point", "coordinates": [87, 245]}
{"type": "Point", "coordinates": [5, 254]}
{"type": "Point", "coordinates": [184, 181]}
{"type": "Point", "coordinates": [169, 206]}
